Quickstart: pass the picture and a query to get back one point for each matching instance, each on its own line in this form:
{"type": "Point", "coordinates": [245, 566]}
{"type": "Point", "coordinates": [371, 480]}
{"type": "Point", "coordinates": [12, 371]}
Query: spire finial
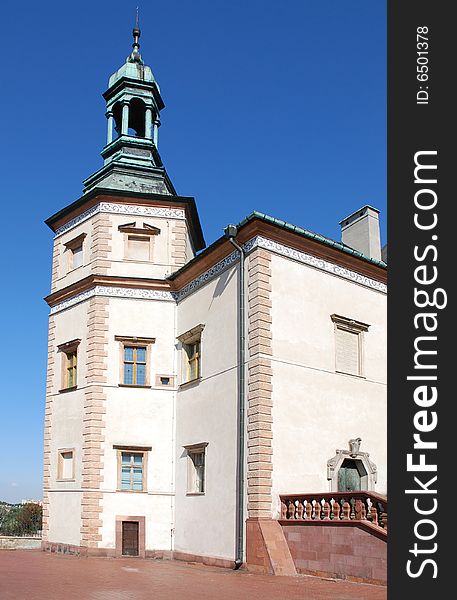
{"type": "Point", "coordinates": [136, 56]}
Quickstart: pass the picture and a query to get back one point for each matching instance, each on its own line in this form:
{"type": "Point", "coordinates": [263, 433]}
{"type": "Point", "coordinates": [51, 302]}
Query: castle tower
{"type": "Point", "coordinates": [112, 375]}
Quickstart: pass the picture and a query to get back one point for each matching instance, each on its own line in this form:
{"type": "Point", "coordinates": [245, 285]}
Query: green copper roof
{"type": "Point", "coordinates": [313, 236]}
{"type": "Point", "coordinates": [133, 70]}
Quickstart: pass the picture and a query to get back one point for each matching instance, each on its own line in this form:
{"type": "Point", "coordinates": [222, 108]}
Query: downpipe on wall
{"type": "Point", "coordinates": [231, 232]}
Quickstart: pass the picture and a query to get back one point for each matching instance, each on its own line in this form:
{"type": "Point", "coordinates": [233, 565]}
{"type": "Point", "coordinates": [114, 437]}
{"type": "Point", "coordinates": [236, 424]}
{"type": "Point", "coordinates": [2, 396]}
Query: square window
{"type": "Point", "coordinates": [138, 248]}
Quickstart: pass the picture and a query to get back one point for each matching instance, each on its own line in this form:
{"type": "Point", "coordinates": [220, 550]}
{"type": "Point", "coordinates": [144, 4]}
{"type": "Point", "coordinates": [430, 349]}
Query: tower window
{"type": "Point", "coordinates": [138, 247]}
{"type": "Point", "coordinates": [135, 365]}
{"type": "Point", "coordinates": [75, 252]}
{"type": "Point", "coordinates": [69, 352]}
{"type": "Point", "coordinates": [65, 467]}
{"type": "Point", "coordinates": [135, 361]}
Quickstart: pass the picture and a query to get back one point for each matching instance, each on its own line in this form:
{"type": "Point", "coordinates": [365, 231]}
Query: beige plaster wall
{"type": "Point", "coordinates": [315, 409]}
{"type": "Point", "coordinates": [207, 412]}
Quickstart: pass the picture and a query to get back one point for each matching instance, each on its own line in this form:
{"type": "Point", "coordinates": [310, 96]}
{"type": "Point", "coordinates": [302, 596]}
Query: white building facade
{"type": "Point", "coordinates": [152, 448]}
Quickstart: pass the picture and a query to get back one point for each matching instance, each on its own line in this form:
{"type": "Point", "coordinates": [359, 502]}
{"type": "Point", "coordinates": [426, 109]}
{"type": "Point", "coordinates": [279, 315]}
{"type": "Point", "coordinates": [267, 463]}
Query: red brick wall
{"type": "Point", "coordinates": [335, 551]}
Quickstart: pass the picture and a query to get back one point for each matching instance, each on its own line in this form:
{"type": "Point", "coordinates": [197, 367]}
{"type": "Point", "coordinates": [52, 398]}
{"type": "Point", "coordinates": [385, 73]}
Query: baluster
{"type": "Point", "coordinates": [374, 515]}
{"type": "Point", "coordinates": [317, 510]}
{"type": "Point", "coordinates": [346, 511]}
{"type": "Point", "coordinates": [326, 511]}
{"type": "Point", "coordinates": [291, 510]}
{"type": "Point", "coordinates": [352, 503]}
{"type": "Point", "coordinates": [384, 520]}
{"type": "Point", "coordinates": [364, 510]}
{"type": "Point", "coordinates": [283, 510]}
{"type": "Point", "coordinates": [309, 509]}
{"type": "Point", "coordinates": [336, 510]}
{"type": "Point", "coordinates": [300, 510]}
{"type": "Point", "coordinates": [358, 508]}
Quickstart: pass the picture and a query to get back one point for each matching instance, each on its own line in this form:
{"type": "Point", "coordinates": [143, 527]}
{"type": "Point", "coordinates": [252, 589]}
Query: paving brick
{"type": "Point", "coordinates": [63, 577]}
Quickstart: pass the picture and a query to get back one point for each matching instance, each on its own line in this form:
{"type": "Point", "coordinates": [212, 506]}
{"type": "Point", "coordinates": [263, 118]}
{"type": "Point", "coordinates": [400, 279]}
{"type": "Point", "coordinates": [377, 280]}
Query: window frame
{"type": "Point", "coordinates": [60, 463]}
{"type": "Point", "coordinates": [147, 233]}
{"type": "Point", "coordinates": [68, 350]}
{"type": "Point", "coordinates": [70, 247]}
{"type": "Point", "coordinates": [134, 342]}
{"type": "Point", "coordinates": [190, 339]}
{"type": "Point", "coordinates": [357, 328]}
{"type": "Point", "coordinates": [143, 450]}
{"type": "Point", "coordinates": [191, 486]}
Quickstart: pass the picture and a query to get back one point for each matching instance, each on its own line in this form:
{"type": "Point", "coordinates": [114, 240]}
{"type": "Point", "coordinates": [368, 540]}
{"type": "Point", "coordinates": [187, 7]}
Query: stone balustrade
{"type": "Point", "coordinates": [337, 507]}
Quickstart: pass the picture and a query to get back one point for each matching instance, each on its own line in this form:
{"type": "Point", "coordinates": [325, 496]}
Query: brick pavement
{"type": "Point", "coordinates": [36, 575]}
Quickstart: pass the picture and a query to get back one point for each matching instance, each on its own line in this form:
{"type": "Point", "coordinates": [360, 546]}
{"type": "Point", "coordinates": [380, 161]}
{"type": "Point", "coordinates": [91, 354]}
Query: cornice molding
{"type": "Point", "coordinates": [138, 293]}
{"type": "Point", "coordinates": [113, 292]}
{"type": "Point", "coordinates": [320, 263]}
{"type": "Point", "coordinates": [122, 209]}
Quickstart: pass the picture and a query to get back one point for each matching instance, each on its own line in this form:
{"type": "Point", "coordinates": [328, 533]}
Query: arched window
{"type": "Point", "coordinates": [137, 116]}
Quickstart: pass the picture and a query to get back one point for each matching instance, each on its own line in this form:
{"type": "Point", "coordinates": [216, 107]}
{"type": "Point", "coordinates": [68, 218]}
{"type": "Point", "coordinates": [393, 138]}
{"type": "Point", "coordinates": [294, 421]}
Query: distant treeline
{"type": "Point", "coordinates": [20, 519]}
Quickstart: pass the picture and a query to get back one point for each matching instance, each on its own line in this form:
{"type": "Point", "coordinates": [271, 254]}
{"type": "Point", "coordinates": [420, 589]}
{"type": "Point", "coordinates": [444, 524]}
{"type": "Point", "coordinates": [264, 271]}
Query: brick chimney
{"type": "Point", "coordinates": [360, 231]}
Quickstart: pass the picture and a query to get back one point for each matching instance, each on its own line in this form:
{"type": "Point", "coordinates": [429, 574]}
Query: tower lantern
{"type": "Point", "coordinates": [133, 105]}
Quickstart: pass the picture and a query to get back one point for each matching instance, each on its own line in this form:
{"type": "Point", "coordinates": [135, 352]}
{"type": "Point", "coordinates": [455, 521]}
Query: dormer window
{"type": "Point", "coordinates": [138, 241]}
{"type": "Point", "coordinates": [74, 249]}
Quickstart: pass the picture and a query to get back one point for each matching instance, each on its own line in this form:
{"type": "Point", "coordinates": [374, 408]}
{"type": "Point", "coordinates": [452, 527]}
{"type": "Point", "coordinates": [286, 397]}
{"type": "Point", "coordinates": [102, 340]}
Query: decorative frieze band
{"type": "Point", "coordinates": [217, 269]}
{"type": "Point", "coordinates": [114, 292]}
{"type": "Point", "coordinates": [317, 263]}
{"type": "Point", "coordinates": [122, 209]}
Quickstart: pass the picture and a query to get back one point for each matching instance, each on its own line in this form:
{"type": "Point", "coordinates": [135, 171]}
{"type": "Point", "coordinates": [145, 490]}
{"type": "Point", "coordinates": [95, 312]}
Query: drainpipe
{"type": "Point", "coordinates": [230, 233]}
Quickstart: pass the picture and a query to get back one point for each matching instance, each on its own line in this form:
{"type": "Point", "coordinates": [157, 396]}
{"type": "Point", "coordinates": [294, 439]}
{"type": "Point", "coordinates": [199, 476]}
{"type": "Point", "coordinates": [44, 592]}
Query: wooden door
{"type": "Point", "coordinates": [349, 479]}
{"type": "Point", "coordinates": [130, 538]}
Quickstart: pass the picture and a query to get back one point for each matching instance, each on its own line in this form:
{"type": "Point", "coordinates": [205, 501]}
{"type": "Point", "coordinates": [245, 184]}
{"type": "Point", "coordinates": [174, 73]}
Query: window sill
{"type": "Point", "coordinates": [195, 493]}
{"type": "Point", "coordinates": [65, 480]}
{"type": "Point", "coordinates": [133, 491]}
{"type": "Point", "coordinates": [350, 374]}
{"type": "Point", "coordinates": [133, 385]}
{"type": "Point", "coordinates": [72, 269]}
{"type": "Point", "coordinates": [69, 389]}
{"type": "Point", "coordinates": [190, 383]}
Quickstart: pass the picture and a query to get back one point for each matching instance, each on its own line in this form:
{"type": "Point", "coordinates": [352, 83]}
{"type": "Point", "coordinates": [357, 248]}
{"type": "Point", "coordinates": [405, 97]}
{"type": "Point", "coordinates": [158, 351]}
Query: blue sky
{"type": "Point", "coordinates": [276, 107]}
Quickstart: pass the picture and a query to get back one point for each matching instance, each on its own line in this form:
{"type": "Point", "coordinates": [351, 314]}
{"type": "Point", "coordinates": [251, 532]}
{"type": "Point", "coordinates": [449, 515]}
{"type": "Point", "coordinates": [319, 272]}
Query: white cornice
{"type": "Point", "coordinates": [219, 267]}
{"type": "Point", "coordinates": [113, 292]}
{"type": "Point", "coordinates": [122, 209]}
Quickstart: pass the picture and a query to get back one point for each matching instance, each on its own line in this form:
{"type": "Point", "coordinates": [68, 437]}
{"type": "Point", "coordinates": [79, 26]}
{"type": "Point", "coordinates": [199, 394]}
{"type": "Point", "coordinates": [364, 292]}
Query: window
{"type": "Point", "coordinates": [75, 252]}
{"type": "Point", "coordinates": [135, 359]}
{"type": "Point", "coordinates": [193, 360]}
{"type": "Point", "coordinates": [349, 345]}
{"type": "Point", "coordinates": [196, 455]}
{"type": "Point", "coordinates": [134, 365]}
{"type": "Point", "coordinates": [165, 380]}
{"type": "Point", "coordinates": [65, 466]}
{"type": "Point", "coordinates": [69, 352]}
{"type": "Point", "coordinates": [132, 464]}
{"type": "Point", "coordinates": [138, 241]}
{"type": "Point", "coordinates": [191, 345]}
{"type": "Point", "coordinates": [138, 247]}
